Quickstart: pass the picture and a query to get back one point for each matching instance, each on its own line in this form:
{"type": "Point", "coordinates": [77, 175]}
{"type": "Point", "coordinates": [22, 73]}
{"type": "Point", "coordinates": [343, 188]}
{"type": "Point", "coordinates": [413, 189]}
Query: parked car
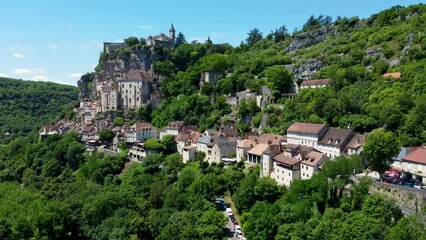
{"type": "Point", "coordinates": [238, 230]}
{"type": "Point", "coordinates": [417, 186]}
{"type": "Point", "coordinates": [409, 184]}
{"type": "Point", "coordinates": [229, 212]}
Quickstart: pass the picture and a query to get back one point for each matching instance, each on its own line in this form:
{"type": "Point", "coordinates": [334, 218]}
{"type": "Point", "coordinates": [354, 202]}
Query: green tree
{"type": "Point", "coordinates": [106, 135]}
{"type": "Point", "coordinates": [180, 39]}
{"type": "Point", "coordinates": [118, 121]}
{"type": "Point", "coordinates": [131, 41]}
{"type": "Point", "coordinates": [380, 149]}
{"type": "Point", "coordinates": [254, 36]}
{"type": "Point", "coordinates": [278, 80]}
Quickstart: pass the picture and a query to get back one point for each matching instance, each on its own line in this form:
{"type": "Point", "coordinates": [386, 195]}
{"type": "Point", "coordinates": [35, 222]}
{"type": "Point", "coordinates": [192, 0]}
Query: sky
{"type": "Point", "coordinates": [58, 40]}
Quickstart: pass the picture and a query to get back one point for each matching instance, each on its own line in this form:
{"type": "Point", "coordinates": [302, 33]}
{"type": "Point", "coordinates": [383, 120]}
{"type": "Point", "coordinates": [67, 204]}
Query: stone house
{"type": "Point", "coordinates": [255, 154]}
{"type": "Point", "coordinates": [140, 132]}
{"type": "Point", "coordinates": [318, 83]}
{"type": "Point", "coordinates": [186, 143]}
{"type": "Point", "coordinates": [354, 145]}
{"type": "Point", "coordinates": [189, 153]}
{"type": "Point", "coordinates": [334, 141]}
{"type": "Point", "coordinates": [131, 91]}
{"type": "Point", "coordinates": [210, 77]}
{"type": "Point", "coordinates": [174, 128]}
{"type": "Point", "coordinates": [286, 169]}
{"type": "Point", "coordinates": [202, 145]}
{"type": "Point", "coordinates": [242, 147]}
{"type": "Point", "coordinates": [162, 39]}
{"type": "Point", "coordinates": [89, 133]}
{"type": "Point", "coordinates": [311, 164]}
{"type": "Point", "coordinates": [222, 148]}
{"type": "Point", "coordinates": [307, 134]}
{"type": "Point", "coordinates": [415, 163]}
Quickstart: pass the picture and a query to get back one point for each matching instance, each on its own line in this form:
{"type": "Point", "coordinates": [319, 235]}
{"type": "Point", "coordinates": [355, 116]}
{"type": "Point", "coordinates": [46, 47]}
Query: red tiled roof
{"type": "Point", "coordinates": [356, 141]}
{"type": "Point", "coordinates": [259, 149]}
{"type": "Point", "coordinates": [142, 125]}
{"type": "Point", "coordinates": [311, 128]}
{"type": "Point", "coordinates": [175, 125]}
{"type": "Point", "coordinates": [283, 159]}
{"type": "Point", "coordinates": [393, 75]}
{"type": "Point", "coordinates": [317, 82]}
{"type": "Point", "coordinates": [246, 144]}
{"type": "Point", "coordinates": [418, 156]}
{"type": "Point", "coordinates": [314, 158]}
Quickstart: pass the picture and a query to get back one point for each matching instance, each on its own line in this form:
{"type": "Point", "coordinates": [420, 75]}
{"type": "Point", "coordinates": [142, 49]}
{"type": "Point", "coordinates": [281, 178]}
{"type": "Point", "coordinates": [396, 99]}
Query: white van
{"type": "Point", "coordinates": [229, 212]}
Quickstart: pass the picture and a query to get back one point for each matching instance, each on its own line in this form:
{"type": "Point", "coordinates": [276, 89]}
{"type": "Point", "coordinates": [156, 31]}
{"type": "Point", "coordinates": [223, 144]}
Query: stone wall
{"type": "Point", "coordinates": [408, 197]}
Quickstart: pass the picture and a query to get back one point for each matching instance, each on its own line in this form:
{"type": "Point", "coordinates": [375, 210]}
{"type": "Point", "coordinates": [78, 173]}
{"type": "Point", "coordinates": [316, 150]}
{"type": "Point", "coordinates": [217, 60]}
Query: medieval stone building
{"type": "Point", "coordinates": [131, 91]}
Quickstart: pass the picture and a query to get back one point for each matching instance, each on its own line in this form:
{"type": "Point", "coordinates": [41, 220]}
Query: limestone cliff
{"type": "Point", "coordinates": [115, 65]}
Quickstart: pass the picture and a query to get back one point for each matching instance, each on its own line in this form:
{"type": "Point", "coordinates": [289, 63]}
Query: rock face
{"type": "Point", "coordinates": [117, 64]}
{"type": "Point", "coordinates": [83, 84]}
{"type": "Point", "coordinates": [307, 39]}
{"type": "Point", "coordinates": [308, 68]}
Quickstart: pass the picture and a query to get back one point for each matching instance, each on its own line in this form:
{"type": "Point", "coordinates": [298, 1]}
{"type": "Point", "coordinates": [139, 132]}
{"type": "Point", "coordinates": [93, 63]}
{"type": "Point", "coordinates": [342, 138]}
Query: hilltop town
{"type": "Point", "coordinates": [314, 134]}
{"type": "Point", "coordinates": [127, 87]}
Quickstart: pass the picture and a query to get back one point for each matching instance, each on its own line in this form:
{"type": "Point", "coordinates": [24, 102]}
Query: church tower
{"type": "Point", "coordinates": [172, 33]}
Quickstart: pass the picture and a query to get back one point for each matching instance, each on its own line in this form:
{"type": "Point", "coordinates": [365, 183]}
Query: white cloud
{"type": "Point", "coordinates": [39, 78]}
{"type": "Point", "coordinates": [37, 69]}
{"type": "Point", "coordinates": [52, 45]}
{"type": "Point", "coordinates": [75, 75]}
{"type": "Point", "coordinates": [17, 55]}
{"type": "Point", "coordinates": [145, 27]}
{"type": "Point", "coordinates": [22, 71]}
{"type": "Point", "coordinates": [3, 75]}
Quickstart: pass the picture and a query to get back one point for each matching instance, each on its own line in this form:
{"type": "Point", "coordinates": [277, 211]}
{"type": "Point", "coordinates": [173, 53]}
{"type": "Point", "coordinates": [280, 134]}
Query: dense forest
{"type": "Point", "coordinates": [53, 189]}
{"type": "Point", "coordinates": [26, 105]}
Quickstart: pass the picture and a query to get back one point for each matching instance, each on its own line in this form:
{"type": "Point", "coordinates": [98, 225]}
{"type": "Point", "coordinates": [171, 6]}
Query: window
{"type": "Point", "coordinates": [137, 99]}
{"type": "Point", "coordinates": [303, 174]}
{"type": "Point", "coordinates": [288, 174]}
{"type": "Point", "coordinates": [122, 85]}
{"type": "Point", "coordinates": [126, 91]}
{"type": "Point", "coordinates": [130, 85]}
{"type": "Point", "coordinates": [130, 101]}
{"type": "Point", "coordinates": [307, 175]}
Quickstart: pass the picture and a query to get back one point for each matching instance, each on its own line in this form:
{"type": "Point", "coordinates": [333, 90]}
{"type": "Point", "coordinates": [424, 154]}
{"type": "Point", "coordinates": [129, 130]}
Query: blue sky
{"type": "Point", "coordinates": [58, 40]}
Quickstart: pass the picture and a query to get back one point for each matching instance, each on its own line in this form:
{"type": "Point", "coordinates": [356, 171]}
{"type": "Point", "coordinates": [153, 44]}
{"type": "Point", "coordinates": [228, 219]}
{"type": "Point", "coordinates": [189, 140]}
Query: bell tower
{"type": "Point", "coordinates": [172, 33]}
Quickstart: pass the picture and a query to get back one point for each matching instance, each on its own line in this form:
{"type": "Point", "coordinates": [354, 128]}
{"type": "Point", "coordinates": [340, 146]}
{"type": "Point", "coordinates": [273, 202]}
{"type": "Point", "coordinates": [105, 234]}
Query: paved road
{"type": "Point", "coordinates": [406, 210]}
{"type": "Point", "coordinates": [230, 228]}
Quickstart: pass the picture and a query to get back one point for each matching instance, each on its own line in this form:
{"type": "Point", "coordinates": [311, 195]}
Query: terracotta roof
{"type": "Point", "coordinates": [317, 82]}
{"type": "Point", "coordinates": [175, 125]}
{"type": "Point", "coordinates": [392, 75]}
{"type": "Point", "coordinates": [246, 143]}
{"type": "Point", "coordinates": [188, 136]}
{"type": "Point", "coordinates": [136, 75]}
{"type": "Point", "coordinates": [259, 149]}
{"type": "Point", "coordinates": [314, 158]}
{"type": "Point", "coordinates": [417, 156]}
{"type": "Point", "coordinates": [229, 132]}
{"type": "Point", "coordinates": [356, 142]}
{"type": "Point", "coordinates": [288, 161]}
{"type": "Point", "coordinates": [311, 128]}
{"type": "Point", "coordinates": [336, 137]}
{"type": "Point", "coordinates": [141, 126]}
{"type": "Point", "coordinates": [268, 138]}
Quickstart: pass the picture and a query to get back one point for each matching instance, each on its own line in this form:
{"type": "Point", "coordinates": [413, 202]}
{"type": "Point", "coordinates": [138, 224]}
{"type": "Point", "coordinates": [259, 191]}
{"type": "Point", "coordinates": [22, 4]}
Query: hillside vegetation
{"type": "Point", "coordinates": [353, 52]}
{"type": "Point", "coordinates": [52, 189]}
{"type": "Point", "coordinates": [27, 105]}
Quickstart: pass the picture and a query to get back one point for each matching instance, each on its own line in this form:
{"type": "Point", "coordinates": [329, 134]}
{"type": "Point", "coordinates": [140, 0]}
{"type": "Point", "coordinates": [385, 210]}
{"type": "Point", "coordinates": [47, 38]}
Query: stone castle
{"type": "Point", "coordinates": [126, 81]}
